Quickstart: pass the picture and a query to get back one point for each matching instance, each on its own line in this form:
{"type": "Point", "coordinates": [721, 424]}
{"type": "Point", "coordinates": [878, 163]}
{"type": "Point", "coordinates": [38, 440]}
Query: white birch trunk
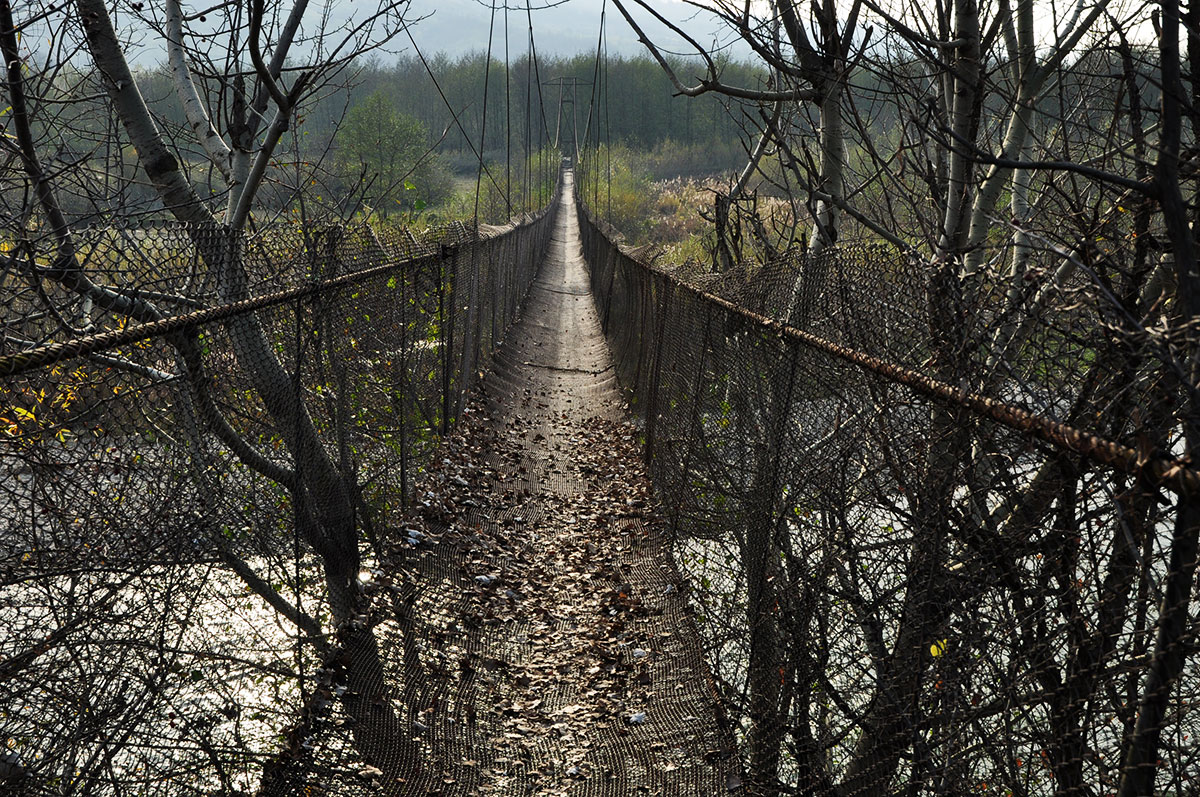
{"type": "Point", "coordinates": [193, 107]}
{"type": "Point", "coordinates": [1032, 78]}
{"type": "Point", "coordinates": [825, 230]}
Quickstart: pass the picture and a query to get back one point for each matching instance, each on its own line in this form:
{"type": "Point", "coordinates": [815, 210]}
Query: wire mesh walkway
{"type": "Point", "coordinates": [970, 572]}
{"type": "Point", "coordinates": [538, 636]}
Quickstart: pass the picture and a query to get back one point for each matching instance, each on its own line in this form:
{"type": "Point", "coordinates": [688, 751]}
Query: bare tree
{"type": "Point", "coordinates": [242, 75]}
{"type": "Point", "coordinates": [1031, 181]}
{"type": "Point", "coordinates": [809, 59]}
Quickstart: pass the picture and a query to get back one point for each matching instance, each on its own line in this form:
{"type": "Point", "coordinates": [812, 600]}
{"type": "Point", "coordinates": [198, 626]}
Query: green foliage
{"type": "Point", "coordinates": [504, 191]}
{"type": "Point", "coordinates": [636, 101]}
{"type": "Point", "coordinates": [385, 151]}
{"type": "Point", "coordinates": [653, 197]}
{"type": "Point", "coordinates": [669, 158]}
{"type": "Point", "coordinates": [619, 191]}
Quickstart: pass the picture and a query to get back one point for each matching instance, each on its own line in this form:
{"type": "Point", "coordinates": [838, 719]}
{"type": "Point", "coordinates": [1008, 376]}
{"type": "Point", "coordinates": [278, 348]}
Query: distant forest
{"type": "Point", "coordinates": [383, 135]}
{"type": "Point", "coordinates": [633, 101]}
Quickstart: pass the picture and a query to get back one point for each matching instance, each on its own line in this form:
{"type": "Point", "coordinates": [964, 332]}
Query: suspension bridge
{"type": "Point", "coordinates": [617, 530]}
{"type": "Point", "coordinates": [351, 509]}
{"type": "Point", "coordinates": [537, 623]}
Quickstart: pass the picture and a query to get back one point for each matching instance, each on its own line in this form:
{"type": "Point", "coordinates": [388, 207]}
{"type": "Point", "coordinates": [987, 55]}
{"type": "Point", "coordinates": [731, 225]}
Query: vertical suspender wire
{"type": "Point", "coordinates": [298, 342]}
{"type": "Point", "coordinates": [598, 89]}
{"type": "Point", "coordinates": [507, 118]}
{"type": "Point", "coordinates": [454, 115]}
{"type": "Point", "coordinates": [558, 121]}
{"type": "Point", "coordinates": [527, 204]}
{"type": "Point", "coordinates": [474, 324]}
{"type": "Point", "coordinates": [494, 268]}
{"type": "Point", "coordinates": [487, 79]}
{"type": "Point", "coordinates": [449, 266]}
{"type": "Point", "coordinates": [592, 109]}
{"type": "Point", "coordinates": [607, 128]}
{"type": "Point", "coordinates": [537, 74]}
{"type": "Point", "coordinates": [596, 114]}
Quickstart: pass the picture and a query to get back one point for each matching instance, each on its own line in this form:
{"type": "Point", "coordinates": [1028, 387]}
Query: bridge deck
{"type": "Point", "coordinates": [543, 642]}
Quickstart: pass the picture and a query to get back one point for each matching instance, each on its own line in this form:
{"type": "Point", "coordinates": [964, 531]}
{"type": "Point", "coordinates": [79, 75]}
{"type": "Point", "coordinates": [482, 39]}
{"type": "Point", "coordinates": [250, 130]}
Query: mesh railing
{"type": "Point", "coordinates": [202, 441]}
{"type": "Point", "coordinates": [940, 533]}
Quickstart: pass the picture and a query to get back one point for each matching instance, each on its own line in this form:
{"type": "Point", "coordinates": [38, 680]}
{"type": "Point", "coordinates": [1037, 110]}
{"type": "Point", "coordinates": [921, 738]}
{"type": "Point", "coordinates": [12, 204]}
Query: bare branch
{"type": "Point", "coordinates": [262, 589]}
{"type": "Point", "coordinates": [27, 149]}
{"type": "Point", "coordinates": [969, 150]}
{"type": "Point", "coordinates": [160, 165]}
{"type": "Point", "coordinates": [712, 83]}
{"type": "Point", "coordinates": [197, 115]}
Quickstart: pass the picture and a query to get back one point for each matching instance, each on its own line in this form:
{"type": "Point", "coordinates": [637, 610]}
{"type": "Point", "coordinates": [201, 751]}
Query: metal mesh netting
{"type": "Point", "coordinates": [532, 633]}
{"type": "Point", "coordinates": [937, 534]}
{"type": "Point", "coordinates": [195, 435]}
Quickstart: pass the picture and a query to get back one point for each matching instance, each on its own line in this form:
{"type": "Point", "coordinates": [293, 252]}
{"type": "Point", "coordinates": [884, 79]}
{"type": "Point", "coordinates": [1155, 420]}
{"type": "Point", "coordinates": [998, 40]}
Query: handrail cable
{"type": "Point", "coordinates": [47, 354]}
{"type": "Point", "coordinates": [1176, 475]}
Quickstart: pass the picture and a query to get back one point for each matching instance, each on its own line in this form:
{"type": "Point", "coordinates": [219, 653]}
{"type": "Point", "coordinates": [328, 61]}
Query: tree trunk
{"type": "Point", "coordinates": [321, 487]}
{"type": "Point", "coordinates": [827, 215]}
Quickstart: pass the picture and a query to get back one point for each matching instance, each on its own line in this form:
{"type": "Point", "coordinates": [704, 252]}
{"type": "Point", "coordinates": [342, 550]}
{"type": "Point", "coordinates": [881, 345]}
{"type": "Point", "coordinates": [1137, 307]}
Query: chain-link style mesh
{"type": "Point", "coordinates": [940, 533]}
{"type": "Point", "coordinates": [195, 434]}
{"type": "Point", "coordinates": [532, 634]}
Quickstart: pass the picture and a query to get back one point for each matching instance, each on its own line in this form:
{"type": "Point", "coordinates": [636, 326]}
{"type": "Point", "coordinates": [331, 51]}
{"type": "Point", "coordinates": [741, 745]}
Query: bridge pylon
{"type": "Point", "coordinates": [567, 91]}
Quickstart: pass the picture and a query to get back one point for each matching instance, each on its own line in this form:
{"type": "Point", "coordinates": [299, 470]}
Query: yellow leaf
{"type": "Point", "coordinates": [938, 648]}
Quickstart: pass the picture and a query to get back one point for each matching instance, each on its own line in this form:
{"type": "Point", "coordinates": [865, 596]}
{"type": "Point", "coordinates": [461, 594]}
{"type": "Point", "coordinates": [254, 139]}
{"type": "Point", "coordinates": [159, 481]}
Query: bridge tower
{"type": "Point", "coordinates": [567, 90]}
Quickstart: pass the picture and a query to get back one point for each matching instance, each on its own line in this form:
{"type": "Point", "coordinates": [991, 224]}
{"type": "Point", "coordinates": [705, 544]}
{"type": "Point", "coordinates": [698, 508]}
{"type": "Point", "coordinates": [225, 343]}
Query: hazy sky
{"type": "Point", "coordinates": [460, 26]}
{"type": "Point", "coordinates": [457, 27]}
